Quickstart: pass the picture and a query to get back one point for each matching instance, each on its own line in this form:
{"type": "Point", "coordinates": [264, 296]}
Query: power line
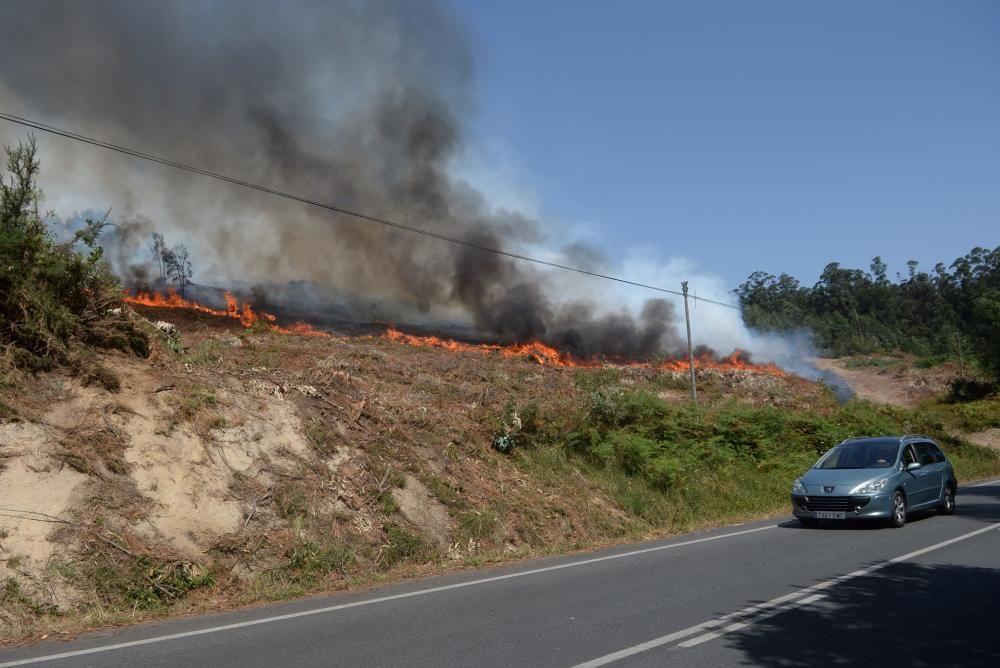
{"type": "Point", "coordinates": [338, 209]}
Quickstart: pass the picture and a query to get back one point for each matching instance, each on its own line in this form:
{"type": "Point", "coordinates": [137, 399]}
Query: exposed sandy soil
{"type": "Point", "coordinates": [422, 510]}
{"type": "Point", "coordinates": [249, 451]}
{"type": "Point", "coordinates": [901, 385]}
{"type": "Point", "coordinates": [35, 491]}
{"type": "Point", "coordinates": [989, 438]}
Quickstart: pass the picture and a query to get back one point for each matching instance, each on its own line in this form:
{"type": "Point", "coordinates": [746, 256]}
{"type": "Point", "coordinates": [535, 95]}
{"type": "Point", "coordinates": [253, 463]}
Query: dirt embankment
{"type": "Point", "coordinates": [988, 438]}
{"type": "Point", "coordinates": [235, 466]}
{"type": "Point", "coordinates": [897, 381]}
{"type": "Point", "coordinates": [893, 381]}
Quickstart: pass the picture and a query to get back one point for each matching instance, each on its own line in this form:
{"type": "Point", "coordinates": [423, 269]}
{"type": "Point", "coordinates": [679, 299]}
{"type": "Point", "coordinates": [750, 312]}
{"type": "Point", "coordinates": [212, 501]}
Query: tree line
{"type": "Point", "coordinates": [851, 311]}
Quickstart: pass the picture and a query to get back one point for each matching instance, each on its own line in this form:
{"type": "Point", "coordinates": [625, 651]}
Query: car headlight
{"type": "Point", "coordinates": [798, 488]}
{"type": "Point", "coordinates": [871, 487]}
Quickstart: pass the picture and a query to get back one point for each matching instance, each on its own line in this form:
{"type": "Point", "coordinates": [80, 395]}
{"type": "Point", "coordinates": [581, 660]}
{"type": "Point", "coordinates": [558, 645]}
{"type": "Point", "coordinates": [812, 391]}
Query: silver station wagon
{"type": "Point", "coordinates": [880, 478]}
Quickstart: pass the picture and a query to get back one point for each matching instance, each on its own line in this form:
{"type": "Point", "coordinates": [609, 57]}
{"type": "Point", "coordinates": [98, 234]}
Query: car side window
{"type": "Point", "coordinates": [908, 456]}
{"type": "Point", "coordinates": [936, 451]}
{"type": "Point", "coordinates": [925, 454]}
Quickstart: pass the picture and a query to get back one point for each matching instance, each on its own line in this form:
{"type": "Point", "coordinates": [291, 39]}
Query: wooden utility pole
{"type": "Point", "coordinates": [687, 318]}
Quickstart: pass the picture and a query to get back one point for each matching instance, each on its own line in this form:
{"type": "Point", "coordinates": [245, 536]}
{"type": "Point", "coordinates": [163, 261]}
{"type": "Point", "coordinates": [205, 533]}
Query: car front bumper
{"type": "Point", "coordinates": [857, 506]}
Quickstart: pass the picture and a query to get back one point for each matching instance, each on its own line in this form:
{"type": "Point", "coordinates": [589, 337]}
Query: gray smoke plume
{"type": "Point", "coordinates": [356, 102]}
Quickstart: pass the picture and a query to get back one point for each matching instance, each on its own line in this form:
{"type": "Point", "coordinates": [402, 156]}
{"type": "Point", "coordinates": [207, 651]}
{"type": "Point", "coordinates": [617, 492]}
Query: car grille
{"type": "Point", "coordinates": [832, 503]}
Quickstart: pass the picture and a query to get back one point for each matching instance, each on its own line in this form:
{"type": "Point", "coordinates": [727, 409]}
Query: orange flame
{"type": "Point", "coordinates": [244, 312]}
{"type": "Point", "coordinates": [541, 353]}
{"type": "Point", "coordinates": [544, 354]}
{"type": "Point", "coordinates": [549, 356]}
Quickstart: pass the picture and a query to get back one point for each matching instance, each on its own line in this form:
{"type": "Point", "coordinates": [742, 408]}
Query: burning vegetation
{"type": "Point", "coordinates": [263, 112]}
{"type": "Point", "coordinates": [244, 312]}
{"type": "Point", "coordinates": [538, 351]}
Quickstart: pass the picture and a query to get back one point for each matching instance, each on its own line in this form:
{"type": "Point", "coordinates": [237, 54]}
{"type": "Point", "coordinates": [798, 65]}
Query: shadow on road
{"type": "Point", "coordinates": [903, 615]}
{"type": "Point", "coordinates": [982, 503]}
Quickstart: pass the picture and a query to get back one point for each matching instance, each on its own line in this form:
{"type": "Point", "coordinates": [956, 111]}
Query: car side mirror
{"type": "Point", "coordinates": [913, 466]}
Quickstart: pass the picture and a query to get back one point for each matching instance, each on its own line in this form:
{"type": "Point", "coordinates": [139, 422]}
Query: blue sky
{"type": "Point", "coordinates": [749, 135]}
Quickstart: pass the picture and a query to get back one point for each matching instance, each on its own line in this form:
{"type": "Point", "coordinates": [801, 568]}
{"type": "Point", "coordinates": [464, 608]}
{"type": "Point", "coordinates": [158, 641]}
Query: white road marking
{"type": "Point", "coordinates": [987, 483]}
{"type": "Point", "coordinates": [372, 601]}
{"type": "Point", "coordinates": [751, 620]}
{"type": "Point", "coordinates": [756, 613]}
{"type": "Point", "coordinates": [683, 633]}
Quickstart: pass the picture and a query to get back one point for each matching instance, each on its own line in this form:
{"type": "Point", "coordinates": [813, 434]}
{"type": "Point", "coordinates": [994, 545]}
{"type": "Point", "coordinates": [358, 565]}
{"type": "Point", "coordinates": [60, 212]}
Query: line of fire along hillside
{"type": "Point", "coordinates": [540, 352]}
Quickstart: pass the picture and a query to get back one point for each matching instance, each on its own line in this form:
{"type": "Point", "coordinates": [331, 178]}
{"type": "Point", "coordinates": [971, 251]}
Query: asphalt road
{"type": "Point", "coordinates": [765, 593]}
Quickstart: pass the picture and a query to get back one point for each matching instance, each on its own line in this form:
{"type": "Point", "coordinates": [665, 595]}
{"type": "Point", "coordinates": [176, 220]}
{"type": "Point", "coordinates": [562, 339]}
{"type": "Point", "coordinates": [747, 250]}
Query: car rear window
{"type": "Point", "coordinates": [861, 455]}
{"type": "Point", "coordinates": [928, 449]}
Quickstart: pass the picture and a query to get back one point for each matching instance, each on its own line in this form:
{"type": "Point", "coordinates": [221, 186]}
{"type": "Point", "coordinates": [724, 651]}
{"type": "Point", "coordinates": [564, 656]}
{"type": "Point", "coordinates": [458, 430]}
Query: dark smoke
{"type": "Point", "coordinates": [357, 102]}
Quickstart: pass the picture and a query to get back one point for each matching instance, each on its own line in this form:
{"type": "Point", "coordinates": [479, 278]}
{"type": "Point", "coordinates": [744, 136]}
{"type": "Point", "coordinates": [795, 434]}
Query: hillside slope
{"type": "Point", "coordinates": [237, 465]}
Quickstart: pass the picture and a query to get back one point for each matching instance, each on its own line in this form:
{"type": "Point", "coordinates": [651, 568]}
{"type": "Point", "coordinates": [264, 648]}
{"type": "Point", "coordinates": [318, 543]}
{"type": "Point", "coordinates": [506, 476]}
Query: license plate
{"type": "Point", "coordinates": [827, 515]}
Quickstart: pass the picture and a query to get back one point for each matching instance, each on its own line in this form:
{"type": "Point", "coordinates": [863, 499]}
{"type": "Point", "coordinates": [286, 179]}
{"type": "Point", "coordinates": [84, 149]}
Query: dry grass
{"type": "Point", "coordinates": [372, 413]}
{"type": "Point", "coordinates": [96, 446]}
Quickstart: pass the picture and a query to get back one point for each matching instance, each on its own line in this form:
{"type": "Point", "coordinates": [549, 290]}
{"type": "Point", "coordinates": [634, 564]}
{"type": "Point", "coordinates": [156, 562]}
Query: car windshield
{"type": "Point", "coordinates": [860, 455]}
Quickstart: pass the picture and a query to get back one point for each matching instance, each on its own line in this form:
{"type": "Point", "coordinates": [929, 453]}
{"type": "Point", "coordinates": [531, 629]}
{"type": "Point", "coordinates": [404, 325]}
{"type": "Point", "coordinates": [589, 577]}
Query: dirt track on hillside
{"type": "Point", "coordinates": [902, 385]}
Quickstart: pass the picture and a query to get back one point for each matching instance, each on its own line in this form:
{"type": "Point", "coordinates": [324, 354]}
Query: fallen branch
{"type": "Point", "coordinates": [52, 519]}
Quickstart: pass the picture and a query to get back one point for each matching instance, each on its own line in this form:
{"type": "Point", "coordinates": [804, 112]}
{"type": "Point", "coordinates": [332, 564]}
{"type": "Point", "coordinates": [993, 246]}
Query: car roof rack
{"type": "Point", "coordinates": [904, 437]}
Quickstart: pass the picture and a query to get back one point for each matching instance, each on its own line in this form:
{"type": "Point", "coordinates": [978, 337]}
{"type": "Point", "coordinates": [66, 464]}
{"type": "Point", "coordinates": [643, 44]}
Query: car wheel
{"type": "Point", "coordinates": [898, 518]}
{"type": "Point", "coordinates": [947, 506]}
{"type": "Point", "coordinates": [809, 522]}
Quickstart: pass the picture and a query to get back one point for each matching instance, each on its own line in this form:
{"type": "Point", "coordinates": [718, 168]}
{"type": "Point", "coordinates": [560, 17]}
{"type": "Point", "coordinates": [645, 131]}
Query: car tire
{"type": "Point", "coordinates": [947, 506]}
{"type": "Point", "coordinates": [808, 522]}
{"type": "Point", "coordinates": [898, 517]}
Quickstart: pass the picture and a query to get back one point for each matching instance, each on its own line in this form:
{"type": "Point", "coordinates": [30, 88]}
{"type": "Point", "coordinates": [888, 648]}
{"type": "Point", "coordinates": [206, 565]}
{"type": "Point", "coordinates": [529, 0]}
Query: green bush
{"type": "Point", "coordinates": [404, 545]}
{"type": "Point", "coordinates": [968, 417]}
{"type": "Point", "coordinates": [932, 361]}
{"type": "Point", "coordinates": [308, 561]}
{"type": "Point", "coordinates": [11, 597]}
{"type": "Point", "coordinates": [633, 453]}
{"type": "Point", "coordinates": [55, 297]}
{"type": "Point", "coordinates": [145, 582]}
{"type": "Point", "coordinates": [680, 464]}
{"type": "Point", "coordinates": [971, 389]}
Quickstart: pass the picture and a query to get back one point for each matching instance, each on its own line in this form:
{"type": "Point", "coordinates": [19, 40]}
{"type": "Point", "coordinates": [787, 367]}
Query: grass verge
{"type": "Point", "coordinates": [676, 467]}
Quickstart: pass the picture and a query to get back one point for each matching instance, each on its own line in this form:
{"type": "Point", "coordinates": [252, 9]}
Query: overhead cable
{"type": "Point", "coordinates": [339, 209]}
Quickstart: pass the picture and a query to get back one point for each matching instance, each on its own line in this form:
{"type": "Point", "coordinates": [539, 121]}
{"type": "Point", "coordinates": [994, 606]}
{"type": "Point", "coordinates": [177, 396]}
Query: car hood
{"type": "Point", "coordinates": [819, 481]}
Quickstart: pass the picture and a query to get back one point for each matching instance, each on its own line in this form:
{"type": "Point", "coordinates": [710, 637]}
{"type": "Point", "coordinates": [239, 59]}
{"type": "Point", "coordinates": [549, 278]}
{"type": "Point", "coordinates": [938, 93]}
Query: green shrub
{"type": "Point", "coordinates": [403, 545]}
{"type": "Point", "coordinates": [307, 561]}
{"type": "Point", "coordinates": [971, 389]}
{"type": "Point", "coordinates": [932, 361]}
{"type": "Point", "coordinates": [54, 296]}
{"type": "Point", "coordinates": [678, 465]}
{"type": "Point", "coordinates": [665, 473]}
{"type": "Point", "coordinates": [199, 398]}
{"type": "Point", "coordinates": [11, 597]}
{"type": "Point", "coordinates": [208, 352]}
{"type": "Point", "coordinates": [484, 524]}
{"type": "Point", "coordinates": [144, 582]}
{"type": "Point", "coordinates": [97, 374]}
{"type": "Point", "coordinates": [303, 565]}
{"type": "Point", "coordinates": [633, 453]}
{"type": "Point", "coordinates": [967, 417]}
{"type": "Point", "coordinates": [875, 363]}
